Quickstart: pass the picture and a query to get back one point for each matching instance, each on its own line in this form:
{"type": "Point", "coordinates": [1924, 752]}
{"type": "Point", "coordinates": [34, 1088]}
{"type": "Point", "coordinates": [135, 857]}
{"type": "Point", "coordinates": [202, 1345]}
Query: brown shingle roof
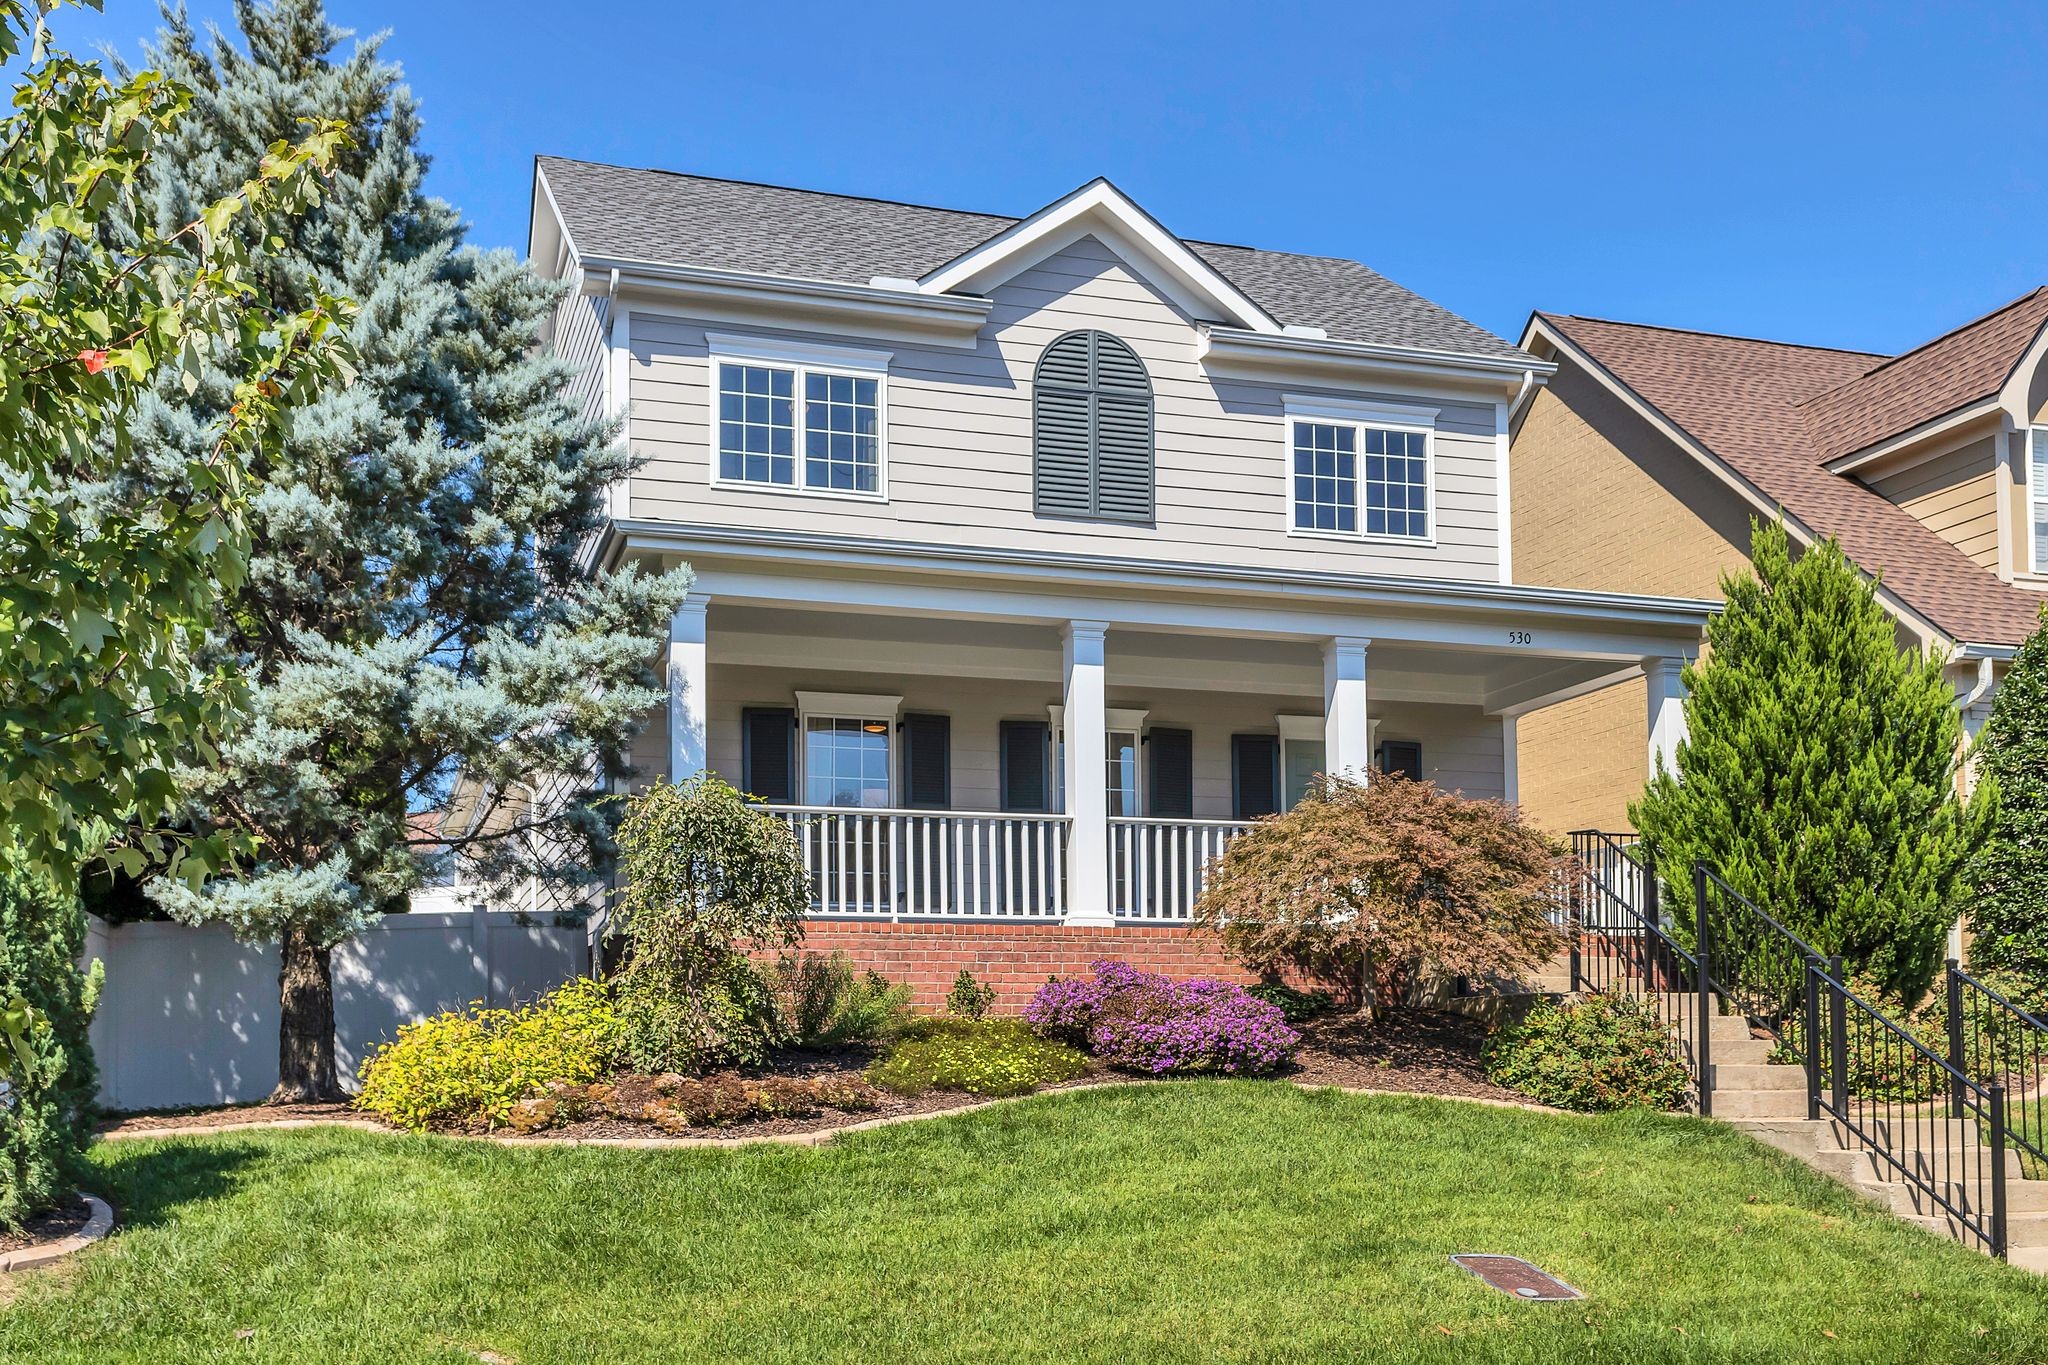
{"type": "Point", "coordinates": [1743, 400]}
{"type": "Point", "coordinates": [1950, 372]}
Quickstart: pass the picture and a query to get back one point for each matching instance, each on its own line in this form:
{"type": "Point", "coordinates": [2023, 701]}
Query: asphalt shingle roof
{"type": "Point", "coordinates": [669, 218]}
{"type": "Point", "coordinates": [1747, 400]}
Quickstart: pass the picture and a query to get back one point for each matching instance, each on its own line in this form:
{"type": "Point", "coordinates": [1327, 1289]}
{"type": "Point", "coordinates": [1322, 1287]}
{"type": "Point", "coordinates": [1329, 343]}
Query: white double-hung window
{"type": "Point", "coordinates": [2037, 495]}
{"type": "Point", "coordinates": [798, 417]}
{"type": "Point", "coordinates": [1365, 471]}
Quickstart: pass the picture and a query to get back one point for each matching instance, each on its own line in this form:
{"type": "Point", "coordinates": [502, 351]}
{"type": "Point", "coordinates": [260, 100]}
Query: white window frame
{"type": "Point", "coordinates": [1299, 730]}
{"type": "Point", "coordinates": [1116, 720]}
{"type": "Point", "coordinates": [846, 706]}
{"type": "Point", "coordinates": [1360, 416]}
{"type": "Point", "coordinates": [2037, 499]}
{"type": "Point", "coordinates": [802, 358]}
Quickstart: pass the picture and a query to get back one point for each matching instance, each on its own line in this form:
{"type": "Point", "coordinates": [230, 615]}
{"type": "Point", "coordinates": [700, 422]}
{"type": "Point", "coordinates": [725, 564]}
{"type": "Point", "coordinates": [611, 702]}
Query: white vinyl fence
{"type": "Point", "coordinates": [189, 1015]}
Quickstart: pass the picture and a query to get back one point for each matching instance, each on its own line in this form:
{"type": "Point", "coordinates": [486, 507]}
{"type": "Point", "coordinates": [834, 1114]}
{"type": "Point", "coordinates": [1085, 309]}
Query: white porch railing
{"type": "Point", "coordinates": [1157, 868]}
{"type": "Point", "coordinates": [889, 864]}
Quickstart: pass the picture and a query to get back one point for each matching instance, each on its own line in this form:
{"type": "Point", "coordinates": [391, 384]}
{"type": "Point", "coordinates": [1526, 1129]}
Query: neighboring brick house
{"type": "Point", "coordinates": [1639, 466]}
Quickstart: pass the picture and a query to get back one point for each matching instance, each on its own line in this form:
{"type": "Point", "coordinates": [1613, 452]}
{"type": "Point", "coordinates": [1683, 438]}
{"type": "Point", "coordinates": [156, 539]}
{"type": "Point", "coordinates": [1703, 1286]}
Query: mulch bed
{"type": "Point", "coordinates": [1416, 1050]}
{"type": "Point", "coordinates": [68, 1219]}
{"type": "Point", "coordinates": [1421, 1052]}
{"type": "Point", "coordinates": [225, 1115]}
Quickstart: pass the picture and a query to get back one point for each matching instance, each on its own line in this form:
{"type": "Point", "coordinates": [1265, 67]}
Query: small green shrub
{"type": "Point", "coordinates": [1601, 1052]}
{"type": "Point", "coordinates": [977, 1056]}
{"type": "Point", "coordinates": [474, 1066]}
{"type": "Point", "coordinates": [823, 1002]}
{"type": "Point", "coordinates": [1295, 1005]}
{"type": "Point", "coordinates": [708, 876]}
{"type": "Point", "coordinates": [969, 998]}
{"type": "Point", "coordinates": [727, 1020]}
{"type": "Point", "coordinates": [47, 1077]}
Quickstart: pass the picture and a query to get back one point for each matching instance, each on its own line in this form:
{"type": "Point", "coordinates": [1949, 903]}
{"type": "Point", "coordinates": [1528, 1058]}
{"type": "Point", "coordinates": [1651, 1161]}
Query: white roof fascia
{"type": "Point", "coordinates": [1096, 206]}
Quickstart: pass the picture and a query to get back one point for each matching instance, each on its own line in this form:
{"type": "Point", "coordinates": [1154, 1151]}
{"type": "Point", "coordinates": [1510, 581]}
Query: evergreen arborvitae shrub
{"type": "Point", "coordinates": [46, 1116]}
{"type": "Point", "coordinates": [1818, 775]}
{"type": "Point", "coordinates": [2009, 917]}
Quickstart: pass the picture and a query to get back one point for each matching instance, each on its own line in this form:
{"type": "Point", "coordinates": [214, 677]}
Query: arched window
{"type": "Point", "coordinates": [1091, 430]}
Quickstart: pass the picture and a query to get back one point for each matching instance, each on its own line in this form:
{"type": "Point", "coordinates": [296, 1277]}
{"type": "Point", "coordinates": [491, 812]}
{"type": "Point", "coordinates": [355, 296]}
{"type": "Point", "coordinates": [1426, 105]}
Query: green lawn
{"type": "Point", "coordinates": [1239, 1220]}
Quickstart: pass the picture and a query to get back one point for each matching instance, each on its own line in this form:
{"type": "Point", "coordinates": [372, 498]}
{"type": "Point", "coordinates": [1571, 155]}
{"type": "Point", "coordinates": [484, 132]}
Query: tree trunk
{"type": "Point", "coordinates": [1368, 987]}
{"type": "Point", "coordinates": [305, 1023]}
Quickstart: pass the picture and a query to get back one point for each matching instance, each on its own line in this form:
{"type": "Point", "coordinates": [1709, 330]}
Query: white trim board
{"type": "Point", "coordinates": [1099, 208]}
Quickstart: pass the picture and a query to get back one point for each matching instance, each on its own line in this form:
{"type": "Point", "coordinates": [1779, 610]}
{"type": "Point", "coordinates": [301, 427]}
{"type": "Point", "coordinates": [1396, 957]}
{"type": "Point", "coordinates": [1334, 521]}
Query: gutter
{"type": "Point", "coordinates": [1251, 345]}
{"type": "Point", "coordinates": [686, 539]}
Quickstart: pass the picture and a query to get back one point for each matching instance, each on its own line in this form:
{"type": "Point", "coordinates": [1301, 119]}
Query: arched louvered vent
{"type": "Point", "coordinates": [1091, 430]}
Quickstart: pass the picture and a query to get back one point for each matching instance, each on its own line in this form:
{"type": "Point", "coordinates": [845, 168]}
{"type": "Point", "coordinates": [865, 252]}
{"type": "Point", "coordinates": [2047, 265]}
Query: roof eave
{"type": "Point", "coordinates": [1228, 347]}
{"type": "Point", "coordinates": [943, 319]}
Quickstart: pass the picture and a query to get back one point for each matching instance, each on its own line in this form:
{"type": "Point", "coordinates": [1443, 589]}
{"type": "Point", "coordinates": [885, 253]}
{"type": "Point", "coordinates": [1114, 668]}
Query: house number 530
{"type": "Point", "coordinates": [1521, 637]}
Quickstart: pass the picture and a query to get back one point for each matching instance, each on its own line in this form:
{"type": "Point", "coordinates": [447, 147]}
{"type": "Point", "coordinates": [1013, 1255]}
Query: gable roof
{"type": "Point", "coordinates": [1746, 402]}
{"type": "Point", "coordinates": [668, 218]}
{"type": "Point", "coordinates": [1951, 372]}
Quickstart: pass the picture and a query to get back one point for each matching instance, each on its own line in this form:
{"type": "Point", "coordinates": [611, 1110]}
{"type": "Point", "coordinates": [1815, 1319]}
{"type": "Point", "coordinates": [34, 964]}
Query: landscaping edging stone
{"type": "Point", "coordinates": [814, 1138]}
{"type": "Point", "coordinates": [97, 1226]}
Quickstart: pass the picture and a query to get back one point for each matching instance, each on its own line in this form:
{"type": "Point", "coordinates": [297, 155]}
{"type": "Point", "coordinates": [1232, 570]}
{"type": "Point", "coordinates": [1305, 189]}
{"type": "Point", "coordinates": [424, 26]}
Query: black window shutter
{"type": "Point", "coordinates": [928, 762]}
{"type": "Point", "coordinates": [768, 753]}
{"type": "Point", "coordinates": [1026, 754]}
{"type": "Point", "coordinates": [1402, 756]}
{"type": "Point", "coordinates": [1172, 759]}
{"type": "Point", "coordinates": [1091, 430]}
{"type": "Point", "coordinates": [1255, 775]}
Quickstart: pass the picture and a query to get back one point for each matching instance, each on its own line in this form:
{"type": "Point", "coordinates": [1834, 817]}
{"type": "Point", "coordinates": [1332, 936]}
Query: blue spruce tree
{"type": "Point", "coordinates": [413, 615]}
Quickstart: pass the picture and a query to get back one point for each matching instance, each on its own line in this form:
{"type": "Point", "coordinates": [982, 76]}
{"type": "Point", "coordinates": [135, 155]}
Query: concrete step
{"type": "Point", "coordinates": [1798, 1137]}
{"type": "Point", "coordinates": [1743, 1051]}
{"type": "Point", "coordinates": [1760, 1104]}
{"type": "Point", "coordinates": [2029, 1258]}
{"type": "Point", "coordinates": [2022, 1197]}
{"type": "Point", "coordinates": [2021, 1229]}
{"type": "Point", "coordinates": [1732, 1076]}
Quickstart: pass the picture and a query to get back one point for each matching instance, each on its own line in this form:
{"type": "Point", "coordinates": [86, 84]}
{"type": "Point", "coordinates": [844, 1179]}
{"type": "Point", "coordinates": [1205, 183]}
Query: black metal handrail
{"type": "Point", "coordinates": [1996, 1042]}
{"type": "Point", "coordinates": [1619, 946]}
{"type": "Point", "coordinates": [1942, 1134]}
{"type": "Point", "coordinates": [1938, 1125]}
{"type": "Point", "coordinates": [1757, 965]}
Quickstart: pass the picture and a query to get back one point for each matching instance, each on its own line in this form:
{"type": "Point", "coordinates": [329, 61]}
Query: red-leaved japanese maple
{"type": "Point", "coordinates": [1386, 881]}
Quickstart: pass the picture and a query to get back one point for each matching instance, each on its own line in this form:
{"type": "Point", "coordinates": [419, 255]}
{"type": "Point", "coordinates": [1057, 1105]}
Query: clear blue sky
{"type": "Point", "coordinates": [1856, 175]}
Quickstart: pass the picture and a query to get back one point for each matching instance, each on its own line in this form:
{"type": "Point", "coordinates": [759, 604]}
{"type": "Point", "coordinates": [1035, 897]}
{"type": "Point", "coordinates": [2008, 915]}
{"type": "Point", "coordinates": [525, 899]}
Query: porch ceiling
{"type": "Point", "coordinates": [926, 646]}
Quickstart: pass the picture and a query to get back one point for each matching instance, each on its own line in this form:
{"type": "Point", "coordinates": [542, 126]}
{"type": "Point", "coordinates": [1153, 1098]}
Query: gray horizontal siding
{"type": "Point", "coordinates": [959, 443]}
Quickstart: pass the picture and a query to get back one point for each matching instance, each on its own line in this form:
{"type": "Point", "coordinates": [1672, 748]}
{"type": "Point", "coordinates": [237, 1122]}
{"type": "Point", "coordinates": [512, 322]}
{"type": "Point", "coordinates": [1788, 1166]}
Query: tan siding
{"type": "Point", "coordinates": [959, 437]}
{"type": "Point", "coordinates": [1955, 496]}
{"type": "Point", "coordinates": [1602, 499]}
{"type": "Point", "coordinates": [1584, 760]}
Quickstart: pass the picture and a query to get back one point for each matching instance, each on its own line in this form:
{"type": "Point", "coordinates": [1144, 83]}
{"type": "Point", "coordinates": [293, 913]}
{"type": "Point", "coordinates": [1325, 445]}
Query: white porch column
{"type": "Point", "coordinates": [1084, 714]}
{"type": "Point", "coordinates": [1510, 763]}
{"type": "Point", "coordinates": [1667, 712]}
{"type": "Point", "coordinates": [688, 688]}
{"type": "Point", "coordinates": [1347, 732]}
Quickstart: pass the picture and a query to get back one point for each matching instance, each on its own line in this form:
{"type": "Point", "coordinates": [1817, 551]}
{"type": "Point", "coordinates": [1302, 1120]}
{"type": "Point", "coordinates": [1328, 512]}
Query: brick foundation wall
{"type": "Point", "coordinates": [1014, 958]}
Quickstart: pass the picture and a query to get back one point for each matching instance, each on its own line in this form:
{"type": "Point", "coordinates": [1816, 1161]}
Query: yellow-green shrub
{"type": "Point", "coordinates": [470, 1067]}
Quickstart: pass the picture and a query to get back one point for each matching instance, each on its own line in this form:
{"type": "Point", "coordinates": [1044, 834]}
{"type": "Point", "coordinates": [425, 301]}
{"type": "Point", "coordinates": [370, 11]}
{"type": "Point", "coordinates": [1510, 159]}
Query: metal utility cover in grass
{"type": "Point", "coordinates": [1515, 1276]}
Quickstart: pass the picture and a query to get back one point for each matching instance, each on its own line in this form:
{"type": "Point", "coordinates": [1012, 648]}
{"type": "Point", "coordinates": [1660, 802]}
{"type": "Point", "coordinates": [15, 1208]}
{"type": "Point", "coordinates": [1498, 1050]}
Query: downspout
{"type": "Point", "coordinates": [1528, 383]}
{"type": "Point", "coordinates": [1986, 679]}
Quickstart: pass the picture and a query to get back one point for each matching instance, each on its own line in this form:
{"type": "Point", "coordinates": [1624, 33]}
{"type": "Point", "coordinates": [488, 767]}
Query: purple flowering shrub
{"type": "Point", "coordinates": [1141, 1021]}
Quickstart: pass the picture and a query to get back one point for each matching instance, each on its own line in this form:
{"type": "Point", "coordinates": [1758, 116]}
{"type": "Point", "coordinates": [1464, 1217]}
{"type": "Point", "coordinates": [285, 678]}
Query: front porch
{"type": "Point", "coordinates": [956, 754]}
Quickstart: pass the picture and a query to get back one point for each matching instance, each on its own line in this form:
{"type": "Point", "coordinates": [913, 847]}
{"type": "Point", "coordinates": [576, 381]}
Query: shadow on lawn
{"type": "Point", "coordinates": [146, 1184]}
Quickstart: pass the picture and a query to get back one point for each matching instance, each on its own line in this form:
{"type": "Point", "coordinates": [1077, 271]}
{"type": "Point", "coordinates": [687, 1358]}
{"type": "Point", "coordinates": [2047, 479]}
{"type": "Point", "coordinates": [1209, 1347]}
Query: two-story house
{"type": "Point", "coordinates": [1035, 555]}
{"type": "Point", "coordinates": [1639, 467]}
